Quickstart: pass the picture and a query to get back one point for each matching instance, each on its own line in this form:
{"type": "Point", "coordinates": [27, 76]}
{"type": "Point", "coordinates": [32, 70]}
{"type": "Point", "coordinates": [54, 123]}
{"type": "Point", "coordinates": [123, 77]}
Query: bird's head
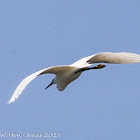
{"type": "Point", "coordinates": [53, 82]}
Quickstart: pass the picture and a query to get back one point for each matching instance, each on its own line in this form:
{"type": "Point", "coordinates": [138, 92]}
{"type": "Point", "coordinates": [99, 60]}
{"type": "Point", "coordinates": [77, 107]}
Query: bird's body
{"type": "Point", "coordinates": [65, 74]}
{"type": "Point", "coordinates": [63, 80]}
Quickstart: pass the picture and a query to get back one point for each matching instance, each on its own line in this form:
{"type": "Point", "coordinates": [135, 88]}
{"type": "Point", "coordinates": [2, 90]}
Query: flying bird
{"type": "Point", "coordinates": [65, 74]}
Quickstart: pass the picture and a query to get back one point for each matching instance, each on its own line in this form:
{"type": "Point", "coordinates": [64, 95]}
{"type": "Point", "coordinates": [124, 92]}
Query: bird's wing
{"type": "Point", "coordinates": [116, 58]}
{"type": "Point", "coordinates": [53, 70]}
{"type": "Point", "coordinates": [82, 62]}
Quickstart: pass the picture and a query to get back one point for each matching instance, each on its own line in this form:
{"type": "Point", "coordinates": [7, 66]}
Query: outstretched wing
{"type": "Point", "coordinates": [82, 62]}
{"type": "Point", "coordinates": [53, 70]}
{"type": "Point", "coordinates": [116, 58]}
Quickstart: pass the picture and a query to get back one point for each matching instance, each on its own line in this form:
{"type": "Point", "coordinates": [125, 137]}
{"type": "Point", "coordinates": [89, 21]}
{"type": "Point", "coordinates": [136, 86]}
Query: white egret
{"type": "Point", "coordinates": [65, 74]}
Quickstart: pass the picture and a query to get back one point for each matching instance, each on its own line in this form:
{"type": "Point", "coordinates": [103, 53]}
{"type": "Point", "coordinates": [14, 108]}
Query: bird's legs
{"type": "Point", "coordinates": [100, 66]}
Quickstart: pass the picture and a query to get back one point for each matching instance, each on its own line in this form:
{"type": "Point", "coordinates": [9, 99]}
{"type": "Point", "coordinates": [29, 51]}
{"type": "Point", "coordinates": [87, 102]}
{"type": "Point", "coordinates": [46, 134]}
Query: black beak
{"type": "Point", "coordinates": [49, 85]}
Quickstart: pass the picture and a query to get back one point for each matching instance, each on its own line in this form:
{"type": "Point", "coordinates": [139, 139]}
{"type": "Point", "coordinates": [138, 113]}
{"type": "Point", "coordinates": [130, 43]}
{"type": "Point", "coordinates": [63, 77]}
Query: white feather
{"type": "Point", "coordinates": [65, 74]}
{"type": "Point", "coordinates": [115, 58]}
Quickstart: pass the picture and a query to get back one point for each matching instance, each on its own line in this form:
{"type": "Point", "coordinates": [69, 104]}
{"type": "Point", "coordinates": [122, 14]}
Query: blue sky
{"type": "Point", "coordinates": [101, 104]}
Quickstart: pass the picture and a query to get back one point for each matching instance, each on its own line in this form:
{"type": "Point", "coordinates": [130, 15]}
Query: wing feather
{"type": "Point", "coordinates": [82, 62]}
{"type": "Point", "coordinates": [27, 80]}
{"type": "Point", "coordinates": [116, 58]}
